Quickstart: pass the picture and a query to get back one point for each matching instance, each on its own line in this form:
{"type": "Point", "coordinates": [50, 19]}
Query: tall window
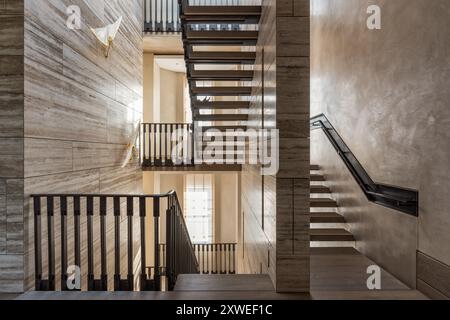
{"type": "Point", "coordinates": [199, 207]}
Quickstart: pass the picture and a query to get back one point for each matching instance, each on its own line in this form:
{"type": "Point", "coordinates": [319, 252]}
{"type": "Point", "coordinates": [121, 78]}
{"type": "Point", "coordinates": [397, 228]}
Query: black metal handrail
{"type": "Point", "coordinates": [84, 209]}
{"type": "Point", "coordinates": [401, 199]}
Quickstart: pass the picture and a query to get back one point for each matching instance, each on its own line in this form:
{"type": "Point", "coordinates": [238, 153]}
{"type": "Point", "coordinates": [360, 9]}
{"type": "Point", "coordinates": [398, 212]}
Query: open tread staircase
{"type": "Point", "coordinates": [328, 227]}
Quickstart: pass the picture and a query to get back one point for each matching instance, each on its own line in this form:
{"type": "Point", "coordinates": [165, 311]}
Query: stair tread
{"type": "Point", "coordinates": [317, 177]}
{"type": "Point", "coordinates": [315, 167]}
{"type": "Point", "coordinates": [213, 57]}
{"type": "Point", "coordinates": [323, 203]}
{"type": "Point", "coordinates": [326, 217]}
{"type": "Point", "coordinates": [223, 128]}
{"type": "Point", "coordinates": [222, 117]}
{"type": "Point", "coordinates": [221, 105]}
{"type": "Point", "coordinates": [330, 235]}
{"type": "Point", "coordinates": [320, 189]}
{"type": "Point", "coordinates": [205, 75]}
{"type": "Point", "coordinates": [201, 38]}
{"type": "Point", "coordinates": [228, 91]}
{"type": "Point", "coordinates": [222, 11]}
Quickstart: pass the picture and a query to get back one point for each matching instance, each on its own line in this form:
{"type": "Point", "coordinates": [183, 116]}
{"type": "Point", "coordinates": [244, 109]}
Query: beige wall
{"type": "Point", "coordinates": [226, 207]}
{"type": "Point", "coordinates": [11, 145]}
{"type": "Point", "coordinates": [386, 92]}
{"type": "Point", "coordinates": [172, 96]}
{"type": "Point", "coordinates": [78, 114]}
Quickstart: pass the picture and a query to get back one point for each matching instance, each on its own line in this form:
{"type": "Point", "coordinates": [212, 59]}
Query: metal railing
{"type": "Point", "coordinates": [167, 144]}
{"type": "Point", "coordinates": [213, 258]}
{"type": "Point", "coordinates": [401, 199]}
{"type": "Point", "coordinates": [113, 216]}
{"type": "Point", "coordinates": [161, 16]}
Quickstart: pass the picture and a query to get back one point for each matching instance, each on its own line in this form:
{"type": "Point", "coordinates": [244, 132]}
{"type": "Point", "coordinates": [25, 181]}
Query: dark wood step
{"type": "Point", "coordinates": [320, 189]}
{"type": "Point", "coordinates": [222, 91]}
{"type": "Point", "coordinates": [224, 128]}
{"type": "Point", "coordinates": [242, 38]}
{"type": "Point", "coordinates": [221, 14]}
{"type": "Point", "coordinates": [315, 167]}
{"type": "Point", "coordinates": [216, 105]}
{"type": "Point", "coordinates": [317, 177]}
{"type": "Point", "coordinates": [220, 75]}
{"type": "Point", "coordinates": [323, 203]}
{"type": "Point", "coordinates": [330, 235]}
{"type": "Point", "coordinates": [210, 57]}
{"type": "Point", "coordinates": [326, 217]}
{"type": "Point", "coordinates": [221, 117]}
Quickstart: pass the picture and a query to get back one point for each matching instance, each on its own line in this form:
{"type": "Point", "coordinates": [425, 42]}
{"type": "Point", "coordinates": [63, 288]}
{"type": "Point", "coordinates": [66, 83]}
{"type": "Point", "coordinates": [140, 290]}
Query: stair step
{"type": "Point", "coordinates": [326, 217]}
{"type": "Point", "coordinates": [209, 57]}
{"type": "Point", "coordinates": [215, 105]}
{"type": "Point", "coordinates": [220, 75]}
{"type": "Point", "coordinates": [320, 189]}
{"type": "Point", "coordinates": [243, 38]}
{"type": "Point", "coordinates": [323, 203]}
{"type": "Point", "coordinates": [222, 91]}
{"type": "Point", "coordinates": [221, 14]}
{"type": "Point", "coordinates": [230, 129]}
{"type": "Point", "coordinates": [330, 235]}
{"type": "Point", "coordinates": [317, 177]}
{"type": "Point", "coordinates": [315, 167]}
{"type": "Point", "coordinates": [221, 117]}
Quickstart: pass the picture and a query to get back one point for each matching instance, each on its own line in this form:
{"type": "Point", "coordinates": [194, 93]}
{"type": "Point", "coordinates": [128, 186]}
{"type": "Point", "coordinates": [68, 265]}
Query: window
{"type": "Point", "coordinates": [198, 207]}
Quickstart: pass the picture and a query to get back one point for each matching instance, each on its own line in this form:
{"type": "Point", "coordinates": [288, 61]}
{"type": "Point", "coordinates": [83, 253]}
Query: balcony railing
{"type": "Point", "coordinates": [167, 144]}
{"type": "Point", "coordinates": [163, 16]}
{"type": "Point", "coordinates": [213, 258]}
{"type": "Point", "coordinates": [90, 228]}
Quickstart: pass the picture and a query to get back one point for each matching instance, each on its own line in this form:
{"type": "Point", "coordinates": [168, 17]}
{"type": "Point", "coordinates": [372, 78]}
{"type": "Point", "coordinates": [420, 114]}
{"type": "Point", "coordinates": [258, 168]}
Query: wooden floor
{"type": "Point", "coordinates": [336, 274]}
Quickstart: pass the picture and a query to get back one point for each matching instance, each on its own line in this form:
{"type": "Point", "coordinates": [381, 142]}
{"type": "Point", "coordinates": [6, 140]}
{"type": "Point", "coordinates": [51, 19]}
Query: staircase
{"type": "Point", "coordinates": [219, 43]}
{"type": "Point", "coordinates": [328, 227]}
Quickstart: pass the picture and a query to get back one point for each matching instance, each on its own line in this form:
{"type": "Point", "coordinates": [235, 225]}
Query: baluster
{"type": "Point", "coordinates": [216, 269]}
{"type": "Point", "coordinates": [169, 242]}
{"type": "Point", "coordinates": [234, 258]}
{"type": "Point", "coordinates": [155, 144]}
{"type": "Point", "coordinates": [77, 233]}
{"type": "Point", "coordinates": [117, 275]}
{"type": "Point", "coordinates": [90, 239]}
{"type": "Point", "coordinates": [130, 212]}
{"type": "Point", "coordinates": [160, 143]}
{"type": "Point", "coordinates": [103, 252]}
{"type": "Point", "coordinates": [229, 258]}
{"type": "Point", "coordinates": [63, 210]}
{"type": "Point", "coordinates": [166, 161]}
{"type": "Point", "coordinates": [171, 144]}
{"type": "Point", "coordinates": [37, 243]}
{"type": "Point", "coordinates": [143, 145]}
{"type": "Point", "coordinates": [156, 207]}
{"type": "Point", "coordinates": [142, 214]}
{"type": "Point", "coordinates": [51, 244]}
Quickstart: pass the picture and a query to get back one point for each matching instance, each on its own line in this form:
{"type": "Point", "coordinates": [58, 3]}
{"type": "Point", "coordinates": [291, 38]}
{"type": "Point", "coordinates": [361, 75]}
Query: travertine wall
{"type": "Point", "coordinates": [11, 144]}
{"type": "Point", "coordinates": [79, 111]}
{"type": "Point", "coordinates": [386, 92]}
{"type": "Point", "coordinates": [276, 208]}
